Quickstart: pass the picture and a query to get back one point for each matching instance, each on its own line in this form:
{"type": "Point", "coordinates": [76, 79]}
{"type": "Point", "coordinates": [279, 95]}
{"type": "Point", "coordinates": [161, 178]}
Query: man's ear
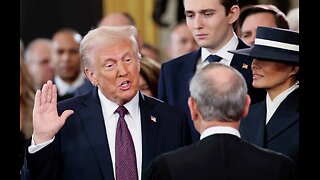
{"type": "Point", "coordinates": [193, 107]}
{"type": "Point", "coordinates": [233, 14]}
{"type": "Point", "coordinates": [246, 106]}
{"type": "Point", "coordinates": [91, 76]}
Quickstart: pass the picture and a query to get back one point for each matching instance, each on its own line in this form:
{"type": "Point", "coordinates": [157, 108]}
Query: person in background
{"type": "Point", "coordinates": [149, 75]}
{"type": "Point", "coordinates": [220, 154]}
{"type": "Point", "coordinates": [38, 59]}
{"type": "Point", "coordinates": [27, 92]}
{"type": "Point", "coordinates": [274, 122]}
{"type": "Point", "coordinates": [293, 19]}
{"type": "Point", "coordinates": [112, 132]}
{"type": "Point", "coordinates": [120, 19]}
{"type": "Point", "coordinates": [211, 23]}
{"type": "Point", "coordinates": [66, 61]}
{"type": "Point", "coordinates": [181, 41]}
{"type": "Point", "coordinates": [259, 15]}
{"type": "Point", "coordinates": [150, 51]}
{"type": "Point", "coordinates": [21, 50]}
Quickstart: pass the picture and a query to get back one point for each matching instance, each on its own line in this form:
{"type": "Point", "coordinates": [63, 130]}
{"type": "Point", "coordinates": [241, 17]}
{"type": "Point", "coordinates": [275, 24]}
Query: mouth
{"type": "Point", "coordinates": [201, 36]}
{"type": "Point", "coordinates": [125, 85]}
{"type": "Point", "coordinates": [257, 76]}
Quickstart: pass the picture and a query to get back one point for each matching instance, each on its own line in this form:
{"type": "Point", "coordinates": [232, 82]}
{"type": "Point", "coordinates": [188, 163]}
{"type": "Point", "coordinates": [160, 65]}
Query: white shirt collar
{"type": "Point", "coordinates": [109, 107]}
{"type": "Point", "coordinates": [272, 105]}
{"type": "Point", "coordinates": [223, 52]}
{"type": "Point", "coordinates": [219, 130]}
{"type": "Point", "coordinates": [64, 87]}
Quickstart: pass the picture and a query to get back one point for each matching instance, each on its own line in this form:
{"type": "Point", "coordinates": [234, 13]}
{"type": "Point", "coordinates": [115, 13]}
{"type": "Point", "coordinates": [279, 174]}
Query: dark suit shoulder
{"type": "Point", "coordinates": [179, 59]}
{"type": "Point", "coordinates": [186, 58]}
{"type": "Point", "coordinates": [157, 104]}
{"type": "Point", "coordinates": [75, 103]}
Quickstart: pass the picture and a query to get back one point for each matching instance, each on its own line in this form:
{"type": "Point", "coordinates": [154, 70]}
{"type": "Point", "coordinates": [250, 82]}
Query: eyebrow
{"type": "Point", "coordinates": [201, 11]}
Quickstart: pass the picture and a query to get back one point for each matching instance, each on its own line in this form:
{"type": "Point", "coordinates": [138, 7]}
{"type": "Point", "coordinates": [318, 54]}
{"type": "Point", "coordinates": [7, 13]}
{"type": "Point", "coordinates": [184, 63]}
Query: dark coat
{"type": "Point", "coordinates": [221, 157]}
{"type": "Point", "coordinates": [282, 131]}
{"type": "Point", "coordinates": [80, 149]}
{"type": "Point", "coordinates": [175, 75]}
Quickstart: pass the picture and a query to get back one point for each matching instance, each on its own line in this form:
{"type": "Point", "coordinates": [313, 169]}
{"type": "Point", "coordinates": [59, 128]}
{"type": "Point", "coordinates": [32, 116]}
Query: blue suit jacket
{"type": "Point", "coordinates": [173, 86]}
{"type": "Point", "coordinates": [282, 131]}
{"type": "Point", "coordinates": [80, 149]}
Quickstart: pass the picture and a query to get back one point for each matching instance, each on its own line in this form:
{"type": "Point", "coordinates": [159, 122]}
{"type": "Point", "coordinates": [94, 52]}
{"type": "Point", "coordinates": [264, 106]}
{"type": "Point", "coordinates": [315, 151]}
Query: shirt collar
{"type": "Point", "coordinates": [64, 87]}
{"type": "Point", "coordinates": [109, 107]}
{"type": "Point", "coordinates": [219, 130]}
{"type": "Point", "coordinates": [223, 52]}
{"type": "Point", "coordinates": [279, 98]}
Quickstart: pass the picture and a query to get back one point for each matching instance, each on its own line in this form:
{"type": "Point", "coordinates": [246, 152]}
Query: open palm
{"type": "Point", "coordinates": [46, 121]}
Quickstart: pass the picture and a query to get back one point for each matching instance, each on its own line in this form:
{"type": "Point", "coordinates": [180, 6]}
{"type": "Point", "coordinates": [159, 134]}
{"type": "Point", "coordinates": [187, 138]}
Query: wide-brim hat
{"type": "Point", "coordinates": [273, 44]}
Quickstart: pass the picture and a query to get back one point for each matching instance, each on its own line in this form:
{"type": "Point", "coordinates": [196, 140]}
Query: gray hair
{"type": "Point", "coordinates": [36, 43]}
{"type": "Point", "coordinates": [220, 98]}
{"type": "Point", "coordinates": [106, 35]}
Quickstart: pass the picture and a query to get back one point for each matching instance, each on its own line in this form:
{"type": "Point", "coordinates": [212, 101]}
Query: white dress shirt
{"type": "Point", "coordinates": [219, 130]}
{"type": "Point", "coordinates": [133, 120]}
{"type": "Point", "coordinates": [272, 105]}
{"type": "Point", "coordinates": [223, 53]}
{"type": "Point", "coordinates": [65, 87]}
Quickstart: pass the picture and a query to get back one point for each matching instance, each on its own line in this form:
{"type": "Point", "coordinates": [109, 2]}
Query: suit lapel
{"type": "Point", "coordinates": [242, 63]}
{"type": "Point", "coordinates": [286, 114]}
{"type": "Point", "coordinates": [93, 123]}
{"type": "Point", "coordinates": [149, 130]}
{"type": "Point", "coordinates": [256, 126]}
{"type": "Point", "coordinates": [187, 70]}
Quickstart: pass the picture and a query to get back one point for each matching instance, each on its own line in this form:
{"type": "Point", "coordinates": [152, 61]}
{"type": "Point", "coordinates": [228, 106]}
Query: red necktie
{"type": "Point", "coordinates": [125, 158]}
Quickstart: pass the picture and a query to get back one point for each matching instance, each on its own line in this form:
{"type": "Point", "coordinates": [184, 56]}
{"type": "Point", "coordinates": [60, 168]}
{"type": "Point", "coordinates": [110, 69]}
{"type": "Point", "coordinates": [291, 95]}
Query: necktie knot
{"type": "Point", "coordinates": [122, 111]}
{"type": "Point", "coordinates": [213, 58]}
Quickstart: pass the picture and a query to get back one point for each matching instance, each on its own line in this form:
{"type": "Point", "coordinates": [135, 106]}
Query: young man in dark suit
{"type": "Point", "coordinates": [81, 138]}
{"type": "Point", "coordinates": [218, 102]}
{"type": "Point", "coordinates": [211, 23]}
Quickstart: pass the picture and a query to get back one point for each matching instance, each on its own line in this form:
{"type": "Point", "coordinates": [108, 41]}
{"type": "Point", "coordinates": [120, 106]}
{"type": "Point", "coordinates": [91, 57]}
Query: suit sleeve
{"type": "Point", "coordinates": [44, 164]}
{"type": "Point", "coordinates": [157, 170]}
{"type": "Point", "coordinates": [161, 86]}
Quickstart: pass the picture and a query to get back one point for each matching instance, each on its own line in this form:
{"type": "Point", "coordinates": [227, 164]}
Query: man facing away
{"type": "Point", "coordinates": [112, 132]}
{"type": "Point", "coordinates": [218, 102]}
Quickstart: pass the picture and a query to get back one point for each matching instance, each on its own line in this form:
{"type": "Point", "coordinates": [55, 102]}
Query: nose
{"type": "Point", "coordinates": [197, 22]}
{"type": "Point", "coordinates": [65, 56]}
{"type": "Point", "coordinates": [122, 69]}
{"type": "Point", "coordinates": [255, 65]}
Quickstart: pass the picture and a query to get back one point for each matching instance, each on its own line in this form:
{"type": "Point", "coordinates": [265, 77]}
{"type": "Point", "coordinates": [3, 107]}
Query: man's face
{"type": "Point", "coordinates": [40, 66]}
{"type": "Point", "coordinates": [115, 71]}
{"type": "Point", "coordinates": [208, 22]}
{"type": "Point", "coordinates": [249, 27]}
{"type": "Point", "coordinates": [66, 56]}
{"type": "Point", "coordinates": [182, 41]}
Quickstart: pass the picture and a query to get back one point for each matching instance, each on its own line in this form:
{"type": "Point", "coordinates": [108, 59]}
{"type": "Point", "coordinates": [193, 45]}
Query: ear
{"type": "Point", "coordinates": [233, 14]}
{"type": "Point", "coordinates": [91, 76]}
{"type": "Point", "coordinates": [294, 70]}
{"type": "Point", "coordinates": [246, 106]}
{"type": "Point", "coordinates": [193, 109]}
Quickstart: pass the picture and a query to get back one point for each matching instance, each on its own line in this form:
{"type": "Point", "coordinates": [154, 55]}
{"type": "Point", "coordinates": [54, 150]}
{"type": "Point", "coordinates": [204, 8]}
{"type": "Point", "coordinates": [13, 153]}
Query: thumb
{"type": "Point", "coordinates": [66, 114]}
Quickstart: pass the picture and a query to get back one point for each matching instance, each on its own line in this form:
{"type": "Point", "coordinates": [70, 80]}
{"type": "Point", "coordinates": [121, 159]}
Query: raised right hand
{"type": "Point", "coordinates": [46, 122]}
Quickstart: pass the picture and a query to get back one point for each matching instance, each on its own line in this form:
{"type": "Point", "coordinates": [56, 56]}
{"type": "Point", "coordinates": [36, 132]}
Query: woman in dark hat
{"type": "Point", "coordinates": [274, 122]}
